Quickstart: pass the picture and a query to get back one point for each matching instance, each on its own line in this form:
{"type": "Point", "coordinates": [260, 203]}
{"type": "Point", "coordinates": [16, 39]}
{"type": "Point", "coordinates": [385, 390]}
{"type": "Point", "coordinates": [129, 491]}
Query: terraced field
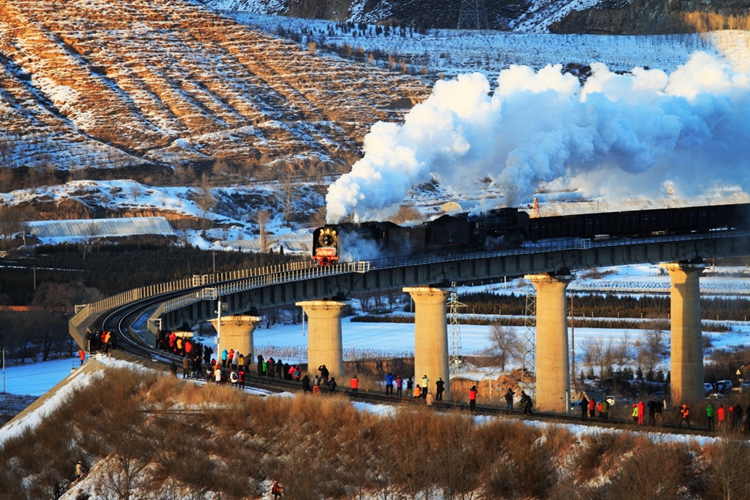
{"type": "Point", "coordinates": [108, 84]}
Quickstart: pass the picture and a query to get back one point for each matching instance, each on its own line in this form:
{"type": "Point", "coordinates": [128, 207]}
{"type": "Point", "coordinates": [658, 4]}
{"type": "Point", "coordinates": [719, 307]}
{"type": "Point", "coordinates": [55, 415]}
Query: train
{"type": "Point", "coordinates": [511, 227]}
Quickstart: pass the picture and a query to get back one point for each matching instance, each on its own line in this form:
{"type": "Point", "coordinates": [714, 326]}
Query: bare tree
{"type": "Point", "coordinates": [651, 349]}
{"type": "Point", "coordinates": [9, 222]}
{"type": "Point", "coordinates": [221, 169]}
{"type": "Point", "coordinates": [289, 197]}
{"type": "Point", "coordinates": [622, 350]}
{"type": "Point", "coordinates": [597, 354]}
{"type": "Point", "coordinates": [5, 148]}
{"type": "Point", "coordinates": [6, 179]}
{"type": "Point", "coordinates": [263, 217]}
{"type": "Point", "coordinates": [135, 192]}
{"type": "Point", "coordinates": [57, 302]}
{"type": "Point", "coordinates": [504, 345]}
{"type": "Point", "coordinates": [204, 198]}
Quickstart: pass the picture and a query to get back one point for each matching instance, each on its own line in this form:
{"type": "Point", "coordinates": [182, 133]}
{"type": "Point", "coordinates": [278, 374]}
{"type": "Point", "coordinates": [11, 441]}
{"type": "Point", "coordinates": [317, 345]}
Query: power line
{"type": "Point", "coordinates": [473, 15]}
{"type": "Point", "coordinates": [456, 355]}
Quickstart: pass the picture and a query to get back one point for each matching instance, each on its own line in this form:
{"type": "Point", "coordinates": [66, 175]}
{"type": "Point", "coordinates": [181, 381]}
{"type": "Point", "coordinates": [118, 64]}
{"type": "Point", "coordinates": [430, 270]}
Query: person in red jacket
{"type": "Point", "coordinates": [82, 355]}
{"type": "Point", "coordinates": [241, 378]}
{"type": "Point", "coordinates": [276, 490]}
{"type": "Point", "coordinates": [592, 407]}
{"type": "Point", "coordinates": [684, 416]}
{"type": "Point", "coordinates": [354, 384]}
{"type": "Point", "coordinates": [641, 412]}
{"type": "Point", "coordinates": [472, 398]}
{"type": "Point", "coordinates": [721, 415]}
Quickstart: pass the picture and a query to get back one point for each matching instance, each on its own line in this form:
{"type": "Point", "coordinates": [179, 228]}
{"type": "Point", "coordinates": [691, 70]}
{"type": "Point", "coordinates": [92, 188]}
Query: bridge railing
{"type": "Point", "coordinates": [87, 314]}
{"type": "Point", "coordinates": [239, 286]}
{"type": "Point", "coordinates": [243, 280]}
{"type": "Point", "coordinates": [549, 246]}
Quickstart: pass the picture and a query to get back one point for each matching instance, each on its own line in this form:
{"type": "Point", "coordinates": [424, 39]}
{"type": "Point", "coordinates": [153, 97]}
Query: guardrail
{"type": "Point", "coordinates": [86, 314]}
{"type": "Point", "coordinates": [213, 293]}
{"type": "Point", "coordinates": [549, 246]}
{"type": "Point", "coordinates": [243, 280]}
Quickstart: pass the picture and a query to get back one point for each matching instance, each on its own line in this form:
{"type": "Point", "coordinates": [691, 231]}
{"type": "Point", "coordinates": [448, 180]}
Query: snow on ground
{"type": "Point", "coordinates": [397, 339]}
{"type": "Point", "coordinates": [80, 377]}
{"type": "Point", "coordinates": [451, 52]}
{"type": "Point", "coordinates": [236, 231]}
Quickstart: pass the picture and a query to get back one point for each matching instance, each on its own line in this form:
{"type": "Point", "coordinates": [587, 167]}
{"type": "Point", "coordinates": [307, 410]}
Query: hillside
{"type": "Point", "coordinates": [615, 17]}
{"type": "Point", "coordinates": [223, 121]}
{"type": "Point", "coordinates": [147, 88]}
{"type": "Point", "coordinates": [217, 442]}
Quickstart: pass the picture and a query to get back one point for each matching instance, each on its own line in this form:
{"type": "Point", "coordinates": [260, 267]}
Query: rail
{"type": "Point", "coordinates": [247, 279]}
{"type": "Point", "coordinates": [548, 246]}
{"type": "Point", "coordinates": [86, 314]}
{"type": "Point", "coordinates": [239, 286]}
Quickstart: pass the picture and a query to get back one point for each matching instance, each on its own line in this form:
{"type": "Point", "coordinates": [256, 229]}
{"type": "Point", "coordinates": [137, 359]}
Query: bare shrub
{"type": "Point", "coordinates": [729, 469]}
{"type": "Point", "coordinates": [409, 454]}
{"type": "Point", "coordinates": [636, 472]}
{"type": "Point", "coordinates": [461, 459]}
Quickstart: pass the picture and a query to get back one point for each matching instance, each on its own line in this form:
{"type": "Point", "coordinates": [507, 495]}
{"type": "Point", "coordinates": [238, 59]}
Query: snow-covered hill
{"type": "Point", "coordinates": [173, 99]}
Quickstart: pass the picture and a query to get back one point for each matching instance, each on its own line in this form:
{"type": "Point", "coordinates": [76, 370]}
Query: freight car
{"type": "Point", "coordinates": [509, 228]}
{"type": "Point", "coordinates": [640, 223]}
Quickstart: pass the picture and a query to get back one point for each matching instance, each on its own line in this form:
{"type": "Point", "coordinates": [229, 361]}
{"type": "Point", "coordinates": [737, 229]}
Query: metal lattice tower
{"type": "Point", "coordinates": [456, 354]}
{"type": "Point", "coordinates": [473, 15]}
{"type": "Point", "coordinates": [529, 340]}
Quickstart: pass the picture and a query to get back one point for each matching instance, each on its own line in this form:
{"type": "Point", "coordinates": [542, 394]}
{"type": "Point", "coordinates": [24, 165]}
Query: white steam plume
{"type": "Point", "coordinates": [617, 136]}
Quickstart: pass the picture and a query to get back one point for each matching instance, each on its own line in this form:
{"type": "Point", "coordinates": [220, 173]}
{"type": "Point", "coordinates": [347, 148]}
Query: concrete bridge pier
{"type": "Point", "coordinates": [686, 367]}
{"type": "Point", "coordinates": [324, 336]}
{"type": "Point", "coordinates": [552, 362]}
{"type": "Point", "coordinates": [430, 336]}
{"type": "Point", "coordinates": [236, 333]}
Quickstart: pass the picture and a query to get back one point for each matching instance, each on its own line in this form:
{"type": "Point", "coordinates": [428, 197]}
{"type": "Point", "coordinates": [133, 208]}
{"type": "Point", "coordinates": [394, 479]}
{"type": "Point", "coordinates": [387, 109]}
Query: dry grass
{"type": "Point", "coordinates": [713, 21]}
{"type": "Point", "coordinates": [222, 440]}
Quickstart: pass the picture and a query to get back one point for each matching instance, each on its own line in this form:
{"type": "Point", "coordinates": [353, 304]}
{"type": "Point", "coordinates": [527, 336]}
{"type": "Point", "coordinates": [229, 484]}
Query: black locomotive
{"type": "Point", "coordinates": [509, 227]}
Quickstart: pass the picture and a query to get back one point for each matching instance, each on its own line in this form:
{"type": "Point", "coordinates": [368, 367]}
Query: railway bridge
{"type": "Point", "coordinates": [232, 301]}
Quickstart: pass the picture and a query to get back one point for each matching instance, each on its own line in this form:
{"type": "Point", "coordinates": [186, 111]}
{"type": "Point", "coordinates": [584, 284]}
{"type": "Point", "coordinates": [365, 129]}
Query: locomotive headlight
{"type": "Point", "coordinates": [328, 238]}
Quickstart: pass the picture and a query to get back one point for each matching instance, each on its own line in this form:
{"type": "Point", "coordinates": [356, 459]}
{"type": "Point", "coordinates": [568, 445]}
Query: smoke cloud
{"type": "Point", "coordinates": [618, 136]}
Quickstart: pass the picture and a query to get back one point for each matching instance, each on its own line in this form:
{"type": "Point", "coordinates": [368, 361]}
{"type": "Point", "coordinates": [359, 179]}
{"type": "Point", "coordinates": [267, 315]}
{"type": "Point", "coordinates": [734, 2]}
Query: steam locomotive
{"type": "Point", "coordinates": [507, 228]}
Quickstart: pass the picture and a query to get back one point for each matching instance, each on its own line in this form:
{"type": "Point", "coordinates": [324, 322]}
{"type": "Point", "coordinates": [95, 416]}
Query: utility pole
{"type": "Point", "coordinates": [573, 344]}
{"type": "Point", "coordinates": [529, 341]}
{"type": "Point", "coordinates": [473, 15]}
{"type": "Point", "coordinates": [218, 323]}
{"type": "Point", "coordinates": [456, 357]}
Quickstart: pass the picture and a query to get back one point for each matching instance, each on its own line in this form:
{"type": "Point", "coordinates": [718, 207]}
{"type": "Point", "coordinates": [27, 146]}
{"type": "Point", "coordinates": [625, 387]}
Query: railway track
{"type": "Point", "coordinates": [119, 322]}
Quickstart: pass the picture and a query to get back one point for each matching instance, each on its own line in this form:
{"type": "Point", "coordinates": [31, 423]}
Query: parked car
{"type": "Point", "coordinates": [724, 386]}
{"type": "Point", "coordinates": [708, 388]}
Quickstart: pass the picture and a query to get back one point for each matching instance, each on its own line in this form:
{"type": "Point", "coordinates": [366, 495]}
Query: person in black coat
{"type": "Point", "coordinates": [306, 384]}
{"type": "Point", "coordinates": [439, 389]}
{"type": "Point", "coordinates": [509, 398]}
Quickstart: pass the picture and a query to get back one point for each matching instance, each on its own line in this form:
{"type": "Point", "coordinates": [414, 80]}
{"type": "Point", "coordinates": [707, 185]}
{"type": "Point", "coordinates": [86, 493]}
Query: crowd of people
{"type": "Point", "coordinates": [233, 366]}
{"type": "Point", "coordinates": [101, 341]}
